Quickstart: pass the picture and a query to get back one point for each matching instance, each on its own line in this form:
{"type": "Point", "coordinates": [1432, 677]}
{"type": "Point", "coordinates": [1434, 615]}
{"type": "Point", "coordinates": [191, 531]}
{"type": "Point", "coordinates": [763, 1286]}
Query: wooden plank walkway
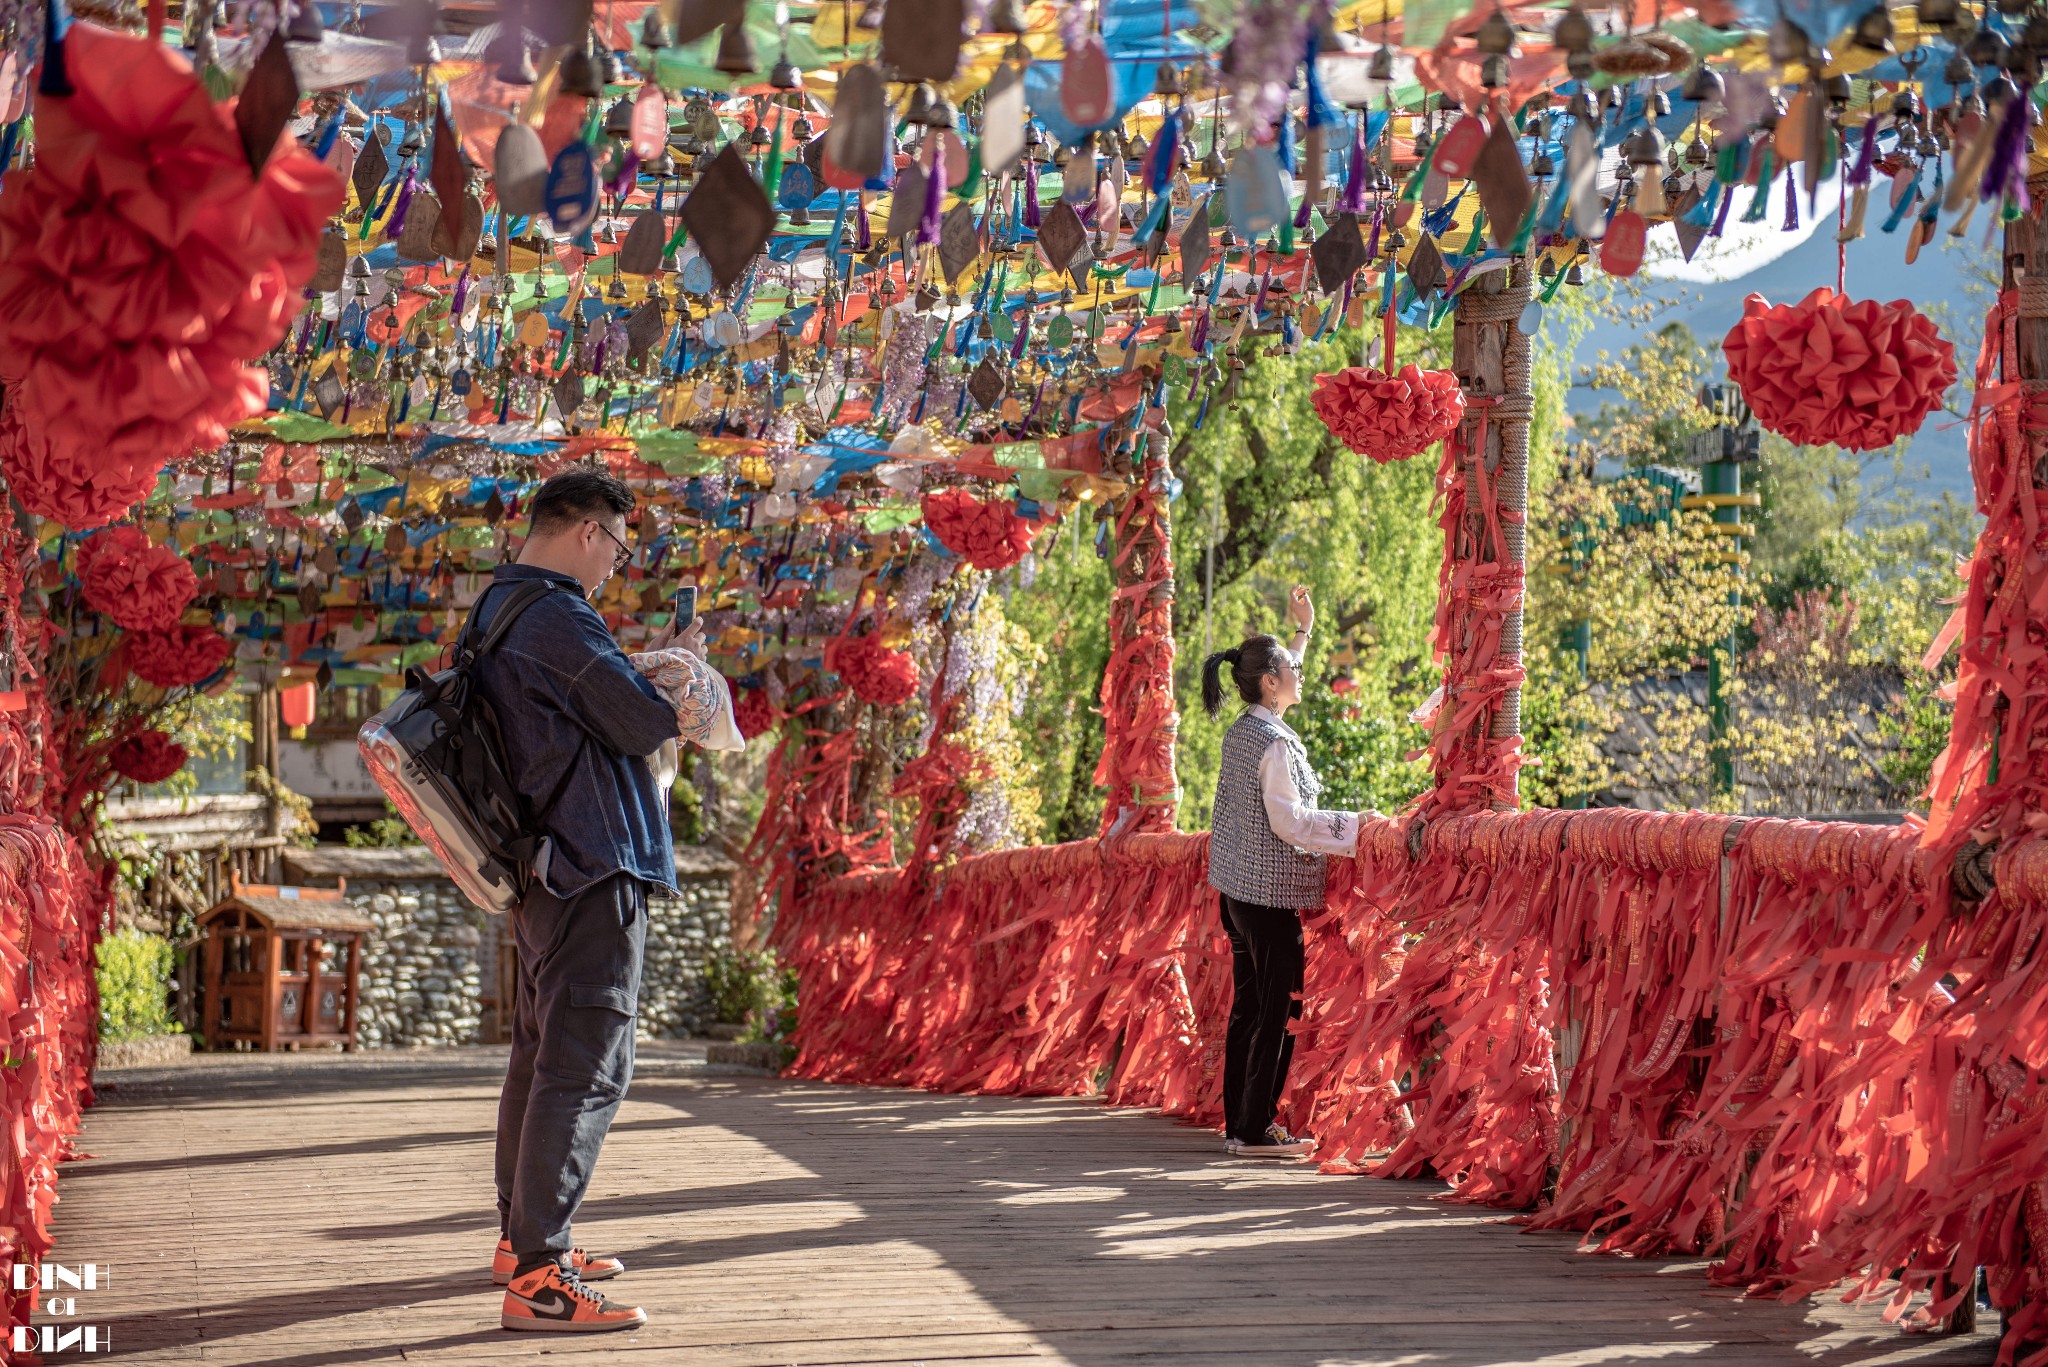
{"type": "Point", "coordinates": [310, 1212]}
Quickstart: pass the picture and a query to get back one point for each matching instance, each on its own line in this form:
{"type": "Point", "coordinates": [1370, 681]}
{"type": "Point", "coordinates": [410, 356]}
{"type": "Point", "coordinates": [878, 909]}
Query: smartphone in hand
{"type": "Point", "coordinates": [686, 606]}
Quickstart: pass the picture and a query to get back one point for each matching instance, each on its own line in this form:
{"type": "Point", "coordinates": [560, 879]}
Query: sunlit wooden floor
{"type": "Point", "coordinates": [334, 1210]}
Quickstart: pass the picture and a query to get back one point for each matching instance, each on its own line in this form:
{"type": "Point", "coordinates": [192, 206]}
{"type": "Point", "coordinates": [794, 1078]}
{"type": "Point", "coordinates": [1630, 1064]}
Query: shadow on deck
{"type": "Point", "coordinates": [338, 1210]}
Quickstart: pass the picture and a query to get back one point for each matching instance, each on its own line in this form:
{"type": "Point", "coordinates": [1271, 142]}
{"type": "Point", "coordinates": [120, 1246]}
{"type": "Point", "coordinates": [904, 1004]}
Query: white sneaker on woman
{"type": "Point", "coordinates": [1276, 1144]}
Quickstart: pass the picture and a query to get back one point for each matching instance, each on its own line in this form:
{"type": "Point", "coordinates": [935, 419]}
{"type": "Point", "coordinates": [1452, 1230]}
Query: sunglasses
{"type": "Point", "coordinates": [625, 552]}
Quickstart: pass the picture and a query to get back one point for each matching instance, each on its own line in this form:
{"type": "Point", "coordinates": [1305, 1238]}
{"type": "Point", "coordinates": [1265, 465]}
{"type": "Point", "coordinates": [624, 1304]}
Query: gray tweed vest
{"type": "Point", "coordinates": [1246, 860]}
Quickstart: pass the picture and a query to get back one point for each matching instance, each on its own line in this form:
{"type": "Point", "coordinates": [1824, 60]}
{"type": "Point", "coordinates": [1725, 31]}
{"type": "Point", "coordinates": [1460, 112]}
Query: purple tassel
{"type": "Point", "coordinates": [1721, 218]}
{"type": "Point", "coordinates": [1791, 201]}
{"type": "Point", "coordinates": [863, 235]}
{"type": "Point", "coordinates": [1372, 243]}
{"type": "Point", "coordinates": [397, 223]}
{"type": "Point", "coordinates": [1860, 173]}
{"type": "Point", "coordinates": [1265, 283]}
{"type": "Point", "coordinates": [1199, 336]}
{"type": "Point", "coordinates": [461, 293]}
{"type": "Point", "coordinates": [2009, 151]}
{"type": "Point", "coordinates": [1301, 214]}
{"type": "Point", "coordinates": [1031, 215]}
{"type": "Point", "coordinates": [1354, 182]}
{"type": "Point", "coordinates": [1023, 338]}
{"type": "Point", "coordinates": [934, 198]}
{"type": "Point", "coordinates": [621, 184]}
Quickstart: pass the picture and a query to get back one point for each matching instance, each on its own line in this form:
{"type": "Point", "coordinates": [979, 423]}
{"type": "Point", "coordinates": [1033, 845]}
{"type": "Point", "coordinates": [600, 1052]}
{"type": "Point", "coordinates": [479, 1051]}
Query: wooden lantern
{"type": "Point", "coordinates": [280, 967]}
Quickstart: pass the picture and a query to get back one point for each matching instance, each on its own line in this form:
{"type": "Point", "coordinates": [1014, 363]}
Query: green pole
{"type": "Point", "coordinates": [1721, 481]}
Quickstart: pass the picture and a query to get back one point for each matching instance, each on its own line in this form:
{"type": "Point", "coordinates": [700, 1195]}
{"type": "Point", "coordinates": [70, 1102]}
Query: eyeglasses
{"type": "Point", "coordinates": [625, 551]}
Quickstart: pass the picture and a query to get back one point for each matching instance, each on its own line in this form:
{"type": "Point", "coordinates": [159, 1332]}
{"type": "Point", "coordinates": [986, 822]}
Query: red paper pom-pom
{"type": "Point", "coordinates": [142, 269]}
{"type": "Point", "coordinates": [134, 584]}
{"type": "Point", "coordinates": [1831, 372]}
{"type": "Point", "coordinates": [176, 658]}
{"type": "Point", "coordinates": [752, 712]}
{"type": "Point", "coordinates": [147, 757]}
{"type": "Point", "coordinates": [988, 535]}
{"type": "Point", "coordinates": [1389, 417]}
{"type": "Point", "coordinates": [875, 673]}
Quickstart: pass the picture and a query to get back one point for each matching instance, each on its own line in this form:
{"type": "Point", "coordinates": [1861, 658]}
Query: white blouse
{"type": "Point", "coordinates": [1293, 820]}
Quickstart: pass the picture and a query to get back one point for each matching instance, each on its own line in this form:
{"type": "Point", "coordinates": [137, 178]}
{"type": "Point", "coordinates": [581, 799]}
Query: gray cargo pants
{"type": "Point", "coordinates": [572, 1054]}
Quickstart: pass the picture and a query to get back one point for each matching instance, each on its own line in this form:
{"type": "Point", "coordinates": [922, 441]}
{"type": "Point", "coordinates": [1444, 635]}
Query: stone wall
{"type": "Point", "coordinates": [432, 969]}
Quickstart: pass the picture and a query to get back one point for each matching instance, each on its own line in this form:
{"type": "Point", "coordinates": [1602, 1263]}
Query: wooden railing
{"type": "Point", "coordinates": [1772, 1042]}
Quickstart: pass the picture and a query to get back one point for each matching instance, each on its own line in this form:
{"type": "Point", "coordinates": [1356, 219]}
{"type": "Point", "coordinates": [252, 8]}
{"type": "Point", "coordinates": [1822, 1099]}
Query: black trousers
{"type": "Point", "coordinates": [1265, 975]}
{"type": "Point", "coordinates": [572, 1054]}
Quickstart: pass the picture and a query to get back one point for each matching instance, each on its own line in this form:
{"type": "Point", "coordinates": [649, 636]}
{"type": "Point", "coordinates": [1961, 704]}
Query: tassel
{"type": "Point", "coordinates": [1650, 193]}
{"type": "Point", "coordinates": [1165, 156]}
{"type": "Point", "coordinates": [934, 197]}
{"type": "Point", "coordinates": [1905, 206]}
{"type": "Point", "coordinates": [1301, 214]}
{"type": "Point", "coordinates": [1721, 217]}
{"type": "Point", "coordinates": [1198, 336]}
{"type": "Point", "coordinates": [1353, 201]}
{"type": "Point", "coordinates": [1859, 175]}
{"type": "Point", "coordinates": [396, 223]}
{"type": "Point", "coordinates": [1791, 201]}
{"type": "Point", "coordinates": [1031, 214]}
{"type": "Point", "coordinates": [1969, 163]}
{"type": "Point", "coordinates": [1701, 215]}
{"type": "Point", "coordinates": [1859, 203]}
{"type": "Point", "coordinates": [1372, 242]}
{"type": "Point", "coordinates": [2008, 148]}
{"type": "Point", "coordinates": [56, 78]}
{"type": "Point", "coordinates": [1022, 339]}
{"type": "Point", "coordinates": [863, 231]}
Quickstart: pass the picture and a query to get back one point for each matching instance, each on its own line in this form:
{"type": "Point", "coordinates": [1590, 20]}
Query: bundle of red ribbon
{"type": "Point", "coordinates": [142, 268]}
{"type": "Point", "coordinates": [987, 533]}
{"type": "Point", "coordinates": [874, 672]}
{"type": "Point", "coordinates": [1831, 372]}
{"type": "Point", "coordinates": [133, 584]}
{"type": "Point", "coordinates": [148, 756]}
{"type": "Point", "coordinates": [752, 712]}
{"type": "Point", "coordinates": [1389, 417]}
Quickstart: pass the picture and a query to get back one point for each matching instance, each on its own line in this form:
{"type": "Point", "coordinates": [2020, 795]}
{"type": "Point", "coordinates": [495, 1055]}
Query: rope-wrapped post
{"type": "Point", "coordinates": [1477, 728]}
{"type": "Point", "coordinates": [1141, 720]}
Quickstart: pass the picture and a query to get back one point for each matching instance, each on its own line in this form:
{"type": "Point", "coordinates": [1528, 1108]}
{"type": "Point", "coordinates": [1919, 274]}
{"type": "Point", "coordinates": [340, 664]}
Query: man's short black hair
{"type": "Point", "coordinates": [574, 495]}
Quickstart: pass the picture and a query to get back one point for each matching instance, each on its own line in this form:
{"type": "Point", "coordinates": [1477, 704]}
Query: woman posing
{"type": "Point", "coordinates": [1266, 857]}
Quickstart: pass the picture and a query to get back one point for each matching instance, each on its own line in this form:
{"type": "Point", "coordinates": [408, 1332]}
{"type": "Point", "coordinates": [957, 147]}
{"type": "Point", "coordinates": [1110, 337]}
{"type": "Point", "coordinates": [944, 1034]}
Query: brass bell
{"type": "Point", "coordinates": [653, 32]}
{"type": "Point", "coordinates": [1986, 48]}
{"type": "Point", "coordinates": [1006, 16]}
{"type": "Point", "coordinates": [1496, 35]}
{"type": "Point", "coordinates": [1381, 65]}
{"type": "Point", "coordinates": [305, 26]}
{"type": "Point", "coordinates": [618, 120]}
{"type": "Point", "coordinates": [1574, 31]}
{"type": "Point", "coordinates": [1838, 90]}
{"type": "Point", "coordinates": [580, 75]}
{"type": "Point", "coordinates": [736, 51]}
{"type": "Point", "coordinates": [1704, 86]}
{"type": "Point", "coordinates": [920, 105]}
{"type": "Point", "coordinates": [1874, 32]}
{"type": "Point", "coordinates": [785, 75]}
{"type": "Point", "coordinates": [1493, 71]}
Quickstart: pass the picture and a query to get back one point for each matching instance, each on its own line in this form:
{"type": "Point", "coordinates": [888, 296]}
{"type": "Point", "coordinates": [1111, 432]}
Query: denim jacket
{"type": "Point", "coordinates": [576, 718]}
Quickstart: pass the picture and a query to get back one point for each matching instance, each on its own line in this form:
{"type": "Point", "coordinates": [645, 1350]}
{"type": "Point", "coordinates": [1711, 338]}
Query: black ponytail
{"type": "Point", "coordinates": [1250, 662]}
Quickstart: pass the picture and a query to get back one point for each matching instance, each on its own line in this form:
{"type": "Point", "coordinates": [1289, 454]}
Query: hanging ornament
{"type": "Point", "coordinates": [987, 534]}
{"type": "Point", "coordinates": [1389, 417]}
{"type": "Point", "coordinates": [1831, 372]}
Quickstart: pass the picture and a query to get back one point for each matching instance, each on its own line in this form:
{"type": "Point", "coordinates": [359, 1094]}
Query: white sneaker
{"type": "Point", "coordinates": [1277, 1144]}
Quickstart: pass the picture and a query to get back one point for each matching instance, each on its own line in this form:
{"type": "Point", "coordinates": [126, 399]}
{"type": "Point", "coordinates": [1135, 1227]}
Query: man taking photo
{"type": "Point", "coordinates": [578, 723]}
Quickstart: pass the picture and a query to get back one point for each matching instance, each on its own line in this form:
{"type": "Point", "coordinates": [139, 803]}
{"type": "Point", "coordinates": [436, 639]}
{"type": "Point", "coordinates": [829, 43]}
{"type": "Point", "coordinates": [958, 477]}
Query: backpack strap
{"type": "Point", "coordinates": [523, 597]}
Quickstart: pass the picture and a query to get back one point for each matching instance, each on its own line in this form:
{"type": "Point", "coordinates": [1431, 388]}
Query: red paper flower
{"type": "Point", "coordinates": [752, 712]}
{"type": "Point", "coordinates": [1831, 372]}
{"type": "Point", "coordinates": [142, 268]}
{"type": "Point", "coordinates": [1389, 417]}
{"type": "Point", "coordinates": [988, 535]}
{"type": "Point", "coordinates": [134, 584]}
{"type": "Point", "coordinates": [176, 658]}
{"type": "Point", "coordinates": [875, 673]}
{"type": "Point", "coordinates": [147, 757]}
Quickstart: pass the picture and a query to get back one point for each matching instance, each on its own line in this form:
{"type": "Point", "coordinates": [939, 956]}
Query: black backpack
{"type": "Point", "coordinates": [438, 754]}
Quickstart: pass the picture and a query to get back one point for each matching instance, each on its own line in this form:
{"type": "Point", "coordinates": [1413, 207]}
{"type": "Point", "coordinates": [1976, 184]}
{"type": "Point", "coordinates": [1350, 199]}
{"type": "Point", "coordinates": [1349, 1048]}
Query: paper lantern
{"type": "Point", "coordinates": [295, 705]}
{"type": "Point", "coordinates": [1389, 417]}
{"type": "Point", "coordinates": [1829, 371]}
{"type": "Point", "coordinates": [874, 672]}
{"type": "Point", "coordinates": [988, 534]}
{"type": "Point", "coordinates": [147, 757]}
{"type": "Point", "coordinates": [133, 584]}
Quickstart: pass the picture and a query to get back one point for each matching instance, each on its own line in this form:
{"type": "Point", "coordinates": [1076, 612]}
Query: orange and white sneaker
{"type": "Point", "coordinates": [552, 1299]}
{"type": "Point", "coordinates": [590, 1267]}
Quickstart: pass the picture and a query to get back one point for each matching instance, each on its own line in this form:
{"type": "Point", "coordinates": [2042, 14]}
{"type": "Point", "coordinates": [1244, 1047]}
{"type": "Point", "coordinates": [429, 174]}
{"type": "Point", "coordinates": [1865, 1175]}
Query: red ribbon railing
{"type": "Point", "coordinates": [1748, 1039]}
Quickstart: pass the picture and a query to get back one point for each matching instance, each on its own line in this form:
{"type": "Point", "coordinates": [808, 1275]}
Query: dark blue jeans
{"type": "Point", "coordinates": [572, 1054]}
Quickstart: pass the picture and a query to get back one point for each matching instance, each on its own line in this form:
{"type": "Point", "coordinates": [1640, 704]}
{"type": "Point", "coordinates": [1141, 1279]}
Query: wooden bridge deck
{"type": "Point", "coordinates": [311, 1212]}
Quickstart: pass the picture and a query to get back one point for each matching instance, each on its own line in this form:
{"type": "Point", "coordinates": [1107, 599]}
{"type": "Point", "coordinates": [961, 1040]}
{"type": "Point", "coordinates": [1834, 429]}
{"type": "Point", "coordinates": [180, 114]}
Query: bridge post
{"type": "Point", "coordinates": [1141, 720]}
{"type": "Point", "coordinates": [1479, 614]}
